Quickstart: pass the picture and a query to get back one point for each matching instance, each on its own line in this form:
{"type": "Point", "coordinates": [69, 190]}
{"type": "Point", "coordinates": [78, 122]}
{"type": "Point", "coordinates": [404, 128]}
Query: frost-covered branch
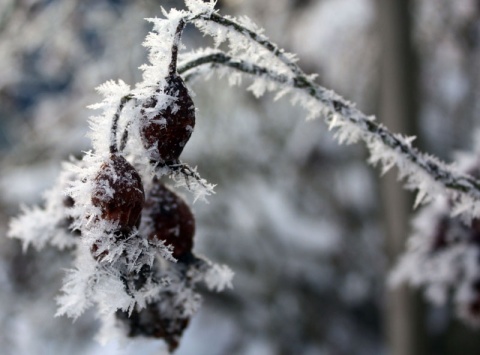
{"type": "Point", "coordinates": [234, 63]}
{"type": "Point", "coordinates": [423, 172]}
{"type": "Point", "coordinates": [338, 106]}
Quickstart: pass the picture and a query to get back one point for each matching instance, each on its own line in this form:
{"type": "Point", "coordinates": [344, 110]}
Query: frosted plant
{"type": "Point", "coordinates": [131, 234]}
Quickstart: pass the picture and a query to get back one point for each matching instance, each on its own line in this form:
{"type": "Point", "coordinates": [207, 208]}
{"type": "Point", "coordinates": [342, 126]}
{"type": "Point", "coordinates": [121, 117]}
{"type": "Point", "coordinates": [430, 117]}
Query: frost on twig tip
{"type": "Point", "coordinates": [188, 177]}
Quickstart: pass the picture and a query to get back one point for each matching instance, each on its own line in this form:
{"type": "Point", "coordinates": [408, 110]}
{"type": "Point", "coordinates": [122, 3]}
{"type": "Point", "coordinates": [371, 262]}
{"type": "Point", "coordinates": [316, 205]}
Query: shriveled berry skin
{"type": "Point", "coordinates": [169, 218]}
{"type": "Point", "coordinates": [150, 322]}
{"type": "Point", "coordinates": [166, 134]}
{"type": "Point", "coordinates": [118, 192]}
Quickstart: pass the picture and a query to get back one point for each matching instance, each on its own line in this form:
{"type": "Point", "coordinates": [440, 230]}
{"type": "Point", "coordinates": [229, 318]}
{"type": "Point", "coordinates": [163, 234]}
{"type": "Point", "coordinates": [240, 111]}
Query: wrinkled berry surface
{"type": "Point", "coordinates": [118, 192]}
{"type": "Point", "coordinates": [150, 322]}
{"type": "Point", "coordinates": [170, 219]}
{"type": "Point", "coordinates": [166, 134]}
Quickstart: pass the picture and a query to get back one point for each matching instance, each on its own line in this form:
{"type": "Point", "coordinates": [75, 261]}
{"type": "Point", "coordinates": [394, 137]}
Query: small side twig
{"type": "Point", "coordinates": [124, 138]}
{"type": "Point", "coordinates": [114, 128]}
{"type": "Point", "coordinates": [188, 174]}
{"type": "Point", "coordinates": [234, 63]}
{"type": "Point", "coordinates": [172, 68]}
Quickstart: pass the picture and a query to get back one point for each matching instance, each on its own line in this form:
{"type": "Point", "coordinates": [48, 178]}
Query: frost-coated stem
{"type": "Point", "coordinates": [239, 64]}
{"type": "Point", "coordinates": [172, 68]}
{"type": "Point", "coordinates": [114, 129]}
{"type": "Point", "coordinates": [124, 139]}
{"type": "Point", "coordinates": [372, 131]}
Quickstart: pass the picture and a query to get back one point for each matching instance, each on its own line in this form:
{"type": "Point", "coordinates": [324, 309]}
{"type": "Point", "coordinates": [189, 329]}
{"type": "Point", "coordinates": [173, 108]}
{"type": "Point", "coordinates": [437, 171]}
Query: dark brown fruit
{"type": "Point", "coordinates": [166, 134]}
{"type": "Point", "coordinates": [150, 322]}
{"type": "Point", "coordinates": [118, 192]}
{"type": "Point", "coordinates": [170, 219]}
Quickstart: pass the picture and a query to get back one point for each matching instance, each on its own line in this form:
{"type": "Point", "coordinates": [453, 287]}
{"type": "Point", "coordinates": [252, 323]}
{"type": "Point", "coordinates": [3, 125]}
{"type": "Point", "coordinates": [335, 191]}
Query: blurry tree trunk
{"type": "Point", "coordinates": [397, 110]}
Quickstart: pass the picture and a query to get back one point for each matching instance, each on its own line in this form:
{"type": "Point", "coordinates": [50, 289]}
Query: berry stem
{"type": "Point", "coordinates": [114, 129]}
{"type": "Point", "coordinates": [172, 68]}
{"type": "Point", "coordinates": [124, 139]}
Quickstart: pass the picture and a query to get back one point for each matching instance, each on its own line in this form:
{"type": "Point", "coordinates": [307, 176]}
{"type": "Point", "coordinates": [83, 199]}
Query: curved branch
{"type": "Point", "coordinates": [340, 112]}
{"type": "Point", "coordinates": [238, 64]}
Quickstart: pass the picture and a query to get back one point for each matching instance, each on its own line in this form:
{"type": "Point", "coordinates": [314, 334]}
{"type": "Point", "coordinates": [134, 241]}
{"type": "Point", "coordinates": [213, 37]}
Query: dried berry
{"type": "Point", "coordinates": [165, 134]}
{"type": "Point", "coordinates": [118, 192]}
{"type": "Point", "coordinates": [170, 219]}
{"type": "Point", "coordinates": [150, 322]}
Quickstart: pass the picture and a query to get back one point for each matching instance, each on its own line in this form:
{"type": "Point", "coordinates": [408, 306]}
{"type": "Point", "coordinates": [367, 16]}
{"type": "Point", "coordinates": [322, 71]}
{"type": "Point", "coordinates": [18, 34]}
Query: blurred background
{"type": "Point", "coordinates": [308, 227]}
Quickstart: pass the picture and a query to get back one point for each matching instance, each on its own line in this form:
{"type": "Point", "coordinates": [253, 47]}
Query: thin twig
{"type": "Point", "coordinates": [239, 64]}
{"type": "Point", "coordinates": [124, 139]}
{"type": "Point", "coordinates": [114, 128]}
{"type": "Point", "coordinates": [172, 68]}
{"type": "Point", "coordinates": [188, 173]}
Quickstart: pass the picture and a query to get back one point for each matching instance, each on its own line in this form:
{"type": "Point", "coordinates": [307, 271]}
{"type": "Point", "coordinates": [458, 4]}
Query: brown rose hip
{"type": "Point", "coordinates": [169, 218]}
{"type": "Point", "coordinates": [118, 192]}
{"type": "Point", "coordinates": [166, 134]}
{"type": "Point", "coordinates": [151, 322]}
